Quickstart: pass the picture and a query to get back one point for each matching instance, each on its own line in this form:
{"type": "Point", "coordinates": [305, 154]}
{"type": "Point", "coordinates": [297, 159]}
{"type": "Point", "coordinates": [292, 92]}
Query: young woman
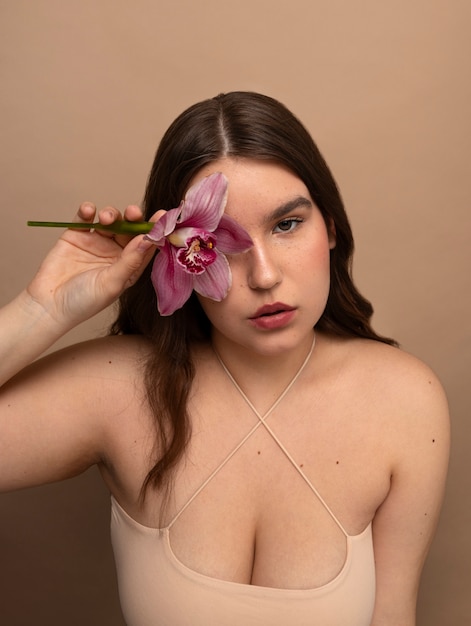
{"type": "Point", "coordinates": [271, 459]}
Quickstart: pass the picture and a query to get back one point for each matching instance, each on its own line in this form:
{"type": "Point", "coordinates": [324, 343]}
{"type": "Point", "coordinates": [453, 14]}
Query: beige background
{"type": "Point", "coordinates": [87, 88]}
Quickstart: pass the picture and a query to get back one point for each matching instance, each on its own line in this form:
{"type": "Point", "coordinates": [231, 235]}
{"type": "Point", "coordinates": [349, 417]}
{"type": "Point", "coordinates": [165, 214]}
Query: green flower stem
{"type": "Point", "coordinates": [119, 228]}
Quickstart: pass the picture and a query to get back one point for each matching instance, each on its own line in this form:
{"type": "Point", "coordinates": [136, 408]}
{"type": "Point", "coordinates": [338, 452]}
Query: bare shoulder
{"type": "Point", "coordinates": [390, 370]}
{"type": "Point", "coordinates": [401, 376]}
{"type": "Point", "coordinates": [403, 390]}
{"type": "Point", "coordinates": [409, 403]}
{"type": "Point", "coordinates": [123, 347]}
{"type": "Point", "coordinates": [97, 358]}
{"type": "Point", "coordinates": [98, 376]}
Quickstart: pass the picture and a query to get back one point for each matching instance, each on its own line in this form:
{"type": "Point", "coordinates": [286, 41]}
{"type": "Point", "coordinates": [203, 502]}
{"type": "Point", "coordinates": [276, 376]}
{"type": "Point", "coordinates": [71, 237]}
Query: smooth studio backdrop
{"type": "Point", "coordinates": [87, 89]}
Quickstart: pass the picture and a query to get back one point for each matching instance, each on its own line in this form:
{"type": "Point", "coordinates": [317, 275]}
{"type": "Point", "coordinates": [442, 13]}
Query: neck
{"type": "Point", "coordinates": [263, 376]}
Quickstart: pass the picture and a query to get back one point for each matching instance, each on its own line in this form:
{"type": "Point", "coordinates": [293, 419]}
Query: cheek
{"type": "Point", "coordinates": [313, 271]}
{"type": "Point", "coordinates": [216, 312]}
{"type": "Point", "coordinates": [224, 316]}
{"type": "Point", "coordinates": [312, 259]}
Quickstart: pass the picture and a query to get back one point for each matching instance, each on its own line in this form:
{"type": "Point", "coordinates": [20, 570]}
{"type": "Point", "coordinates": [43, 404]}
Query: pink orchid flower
{"type": "Point", "coordinates": [193, 240]}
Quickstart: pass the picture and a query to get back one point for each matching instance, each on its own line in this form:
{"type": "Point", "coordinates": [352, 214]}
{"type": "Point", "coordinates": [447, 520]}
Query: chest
{"type": "Point", "coordinates": [271, 502]}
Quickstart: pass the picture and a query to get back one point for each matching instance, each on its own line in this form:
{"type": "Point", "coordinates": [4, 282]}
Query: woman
{"type": "Point", "coordinates": [271, 459]}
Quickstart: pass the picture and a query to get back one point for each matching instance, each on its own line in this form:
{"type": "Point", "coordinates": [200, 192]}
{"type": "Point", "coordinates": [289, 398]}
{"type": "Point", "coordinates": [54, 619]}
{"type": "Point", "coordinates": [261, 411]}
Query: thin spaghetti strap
{"type": "Point", "coordinates": [211, 476]}
{"type": "Point", "coordinates": [277, 440]}
{"type": "Point", "coordinates": [251, 431]}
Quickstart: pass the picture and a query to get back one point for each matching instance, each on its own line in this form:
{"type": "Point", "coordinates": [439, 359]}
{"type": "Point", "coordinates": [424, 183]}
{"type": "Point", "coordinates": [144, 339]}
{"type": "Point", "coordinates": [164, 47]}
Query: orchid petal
{"type": "Point", "coordinates": [172, 284]}
{"type": "Point", "coordinates": [231, 237]}
{"type": "Point", "coordinates": [216, 281]}
{"type": "Point", "coordinates": [205, 202]}
{"type": "Point", "coordinates": [163, 227]}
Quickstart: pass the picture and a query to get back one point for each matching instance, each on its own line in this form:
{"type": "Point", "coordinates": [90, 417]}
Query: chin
{"type": "Point", "coordinates": [278, 344]}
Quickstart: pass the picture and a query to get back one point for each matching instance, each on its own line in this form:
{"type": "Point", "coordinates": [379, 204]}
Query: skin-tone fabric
{"type": "Point", "coordinates": [156, 589]}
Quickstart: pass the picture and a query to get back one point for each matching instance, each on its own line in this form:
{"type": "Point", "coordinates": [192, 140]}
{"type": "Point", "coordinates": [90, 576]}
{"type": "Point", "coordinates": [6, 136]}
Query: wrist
{"type": "Point", "coordinates": [26, 331]}
{"type": "Point", "coordinates": [36, 318]}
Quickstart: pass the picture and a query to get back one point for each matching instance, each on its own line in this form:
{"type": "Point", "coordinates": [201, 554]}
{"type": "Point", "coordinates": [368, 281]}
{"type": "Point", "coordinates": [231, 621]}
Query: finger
{"type": "Point", "coordinates": [85, 213]}
{"type": "Point", "coordinates": [157, 215]}
{"type": "Point", "coordinates": [108, 215]}
{"type": "Point", "coordinates": [133, 213]}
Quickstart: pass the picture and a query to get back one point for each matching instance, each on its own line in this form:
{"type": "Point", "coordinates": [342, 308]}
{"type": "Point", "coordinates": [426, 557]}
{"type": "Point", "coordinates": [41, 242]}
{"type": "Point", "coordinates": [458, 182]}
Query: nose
{"type": "Point", "coordinates": [263, 268]}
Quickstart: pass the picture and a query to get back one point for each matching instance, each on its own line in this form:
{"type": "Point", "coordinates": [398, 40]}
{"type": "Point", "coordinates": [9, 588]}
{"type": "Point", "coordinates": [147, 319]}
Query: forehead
{"type": "Point", "coordinates": [255, 186]}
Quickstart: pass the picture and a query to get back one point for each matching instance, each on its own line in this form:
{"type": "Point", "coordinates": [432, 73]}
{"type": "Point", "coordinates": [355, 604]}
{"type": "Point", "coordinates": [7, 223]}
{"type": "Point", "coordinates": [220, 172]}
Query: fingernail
{"type": "Point", "coordinates": [145, 245]}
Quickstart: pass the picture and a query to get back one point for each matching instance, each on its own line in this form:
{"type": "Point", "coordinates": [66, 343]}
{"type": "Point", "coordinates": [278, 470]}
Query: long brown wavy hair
{"type": "Point", "coordinates": [237, 124]}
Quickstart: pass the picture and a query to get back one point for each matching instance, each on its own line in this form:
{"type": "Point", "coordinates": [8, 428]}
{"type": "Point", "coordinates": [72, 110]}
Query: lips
{"type": "Point", "coordinates": [272, 309]}
{"type": "Point", "coordinates": [273, 317]}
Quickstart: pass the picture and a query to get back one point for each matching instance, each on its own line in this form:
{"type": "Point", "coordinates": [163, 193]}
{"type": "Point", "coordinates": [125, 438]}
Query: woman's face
{"type": "Point", "coordinates": [280, 286]}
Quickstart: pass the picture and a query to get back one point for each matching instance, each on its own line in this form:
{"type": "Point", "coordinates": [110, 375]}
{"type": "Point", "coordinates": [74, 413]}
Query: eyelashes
{"type": "Point", "coordinates": [287, 225]}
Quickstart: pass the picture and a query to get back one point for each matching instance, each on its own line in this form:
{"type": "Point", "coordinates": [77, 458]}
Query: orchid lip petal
{"type": "Point", "coordinates": [197, 256]}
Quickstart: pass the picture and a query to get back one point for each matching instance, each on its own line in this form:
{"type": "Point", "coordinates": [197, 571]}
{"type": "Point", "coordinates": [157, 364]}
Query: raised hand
{"type": "Point", "coordinates": [87, 270]}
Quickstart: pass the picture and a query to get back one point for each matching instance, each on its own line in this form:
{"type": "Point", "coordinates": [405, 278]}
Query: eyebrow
{"type": "Point", "coordinates": [287, 207]}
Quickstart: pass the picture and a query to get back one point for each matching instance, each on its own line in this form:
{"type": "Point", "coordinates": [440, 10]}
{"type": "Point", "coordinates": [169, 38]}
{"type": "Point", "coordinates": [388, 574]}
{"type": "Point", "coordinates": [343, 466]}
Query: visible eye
{"type": "Point", "coordinates": [288, 225]}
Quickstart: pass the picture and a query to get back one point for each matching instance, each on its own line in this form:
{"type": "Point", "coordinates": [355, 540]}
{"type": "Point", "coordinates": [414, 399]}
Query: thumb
{"type": "Point", "coordinates": [134, 259]}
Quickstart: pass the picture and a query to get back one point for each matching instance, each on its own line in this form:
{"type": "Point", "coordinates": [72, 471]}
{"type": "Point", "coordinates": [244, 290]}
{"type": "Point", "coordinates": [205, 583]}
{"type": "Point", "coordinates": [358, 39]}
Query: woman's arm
{"type": "Point", "coordinates": [405, 523]}
{"type": "Point", "coordinates": [81, 275]}
{"type": "Point", "coordinates": [65, 412]}
{"type": "Point", "coordinates": [53, 412]}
